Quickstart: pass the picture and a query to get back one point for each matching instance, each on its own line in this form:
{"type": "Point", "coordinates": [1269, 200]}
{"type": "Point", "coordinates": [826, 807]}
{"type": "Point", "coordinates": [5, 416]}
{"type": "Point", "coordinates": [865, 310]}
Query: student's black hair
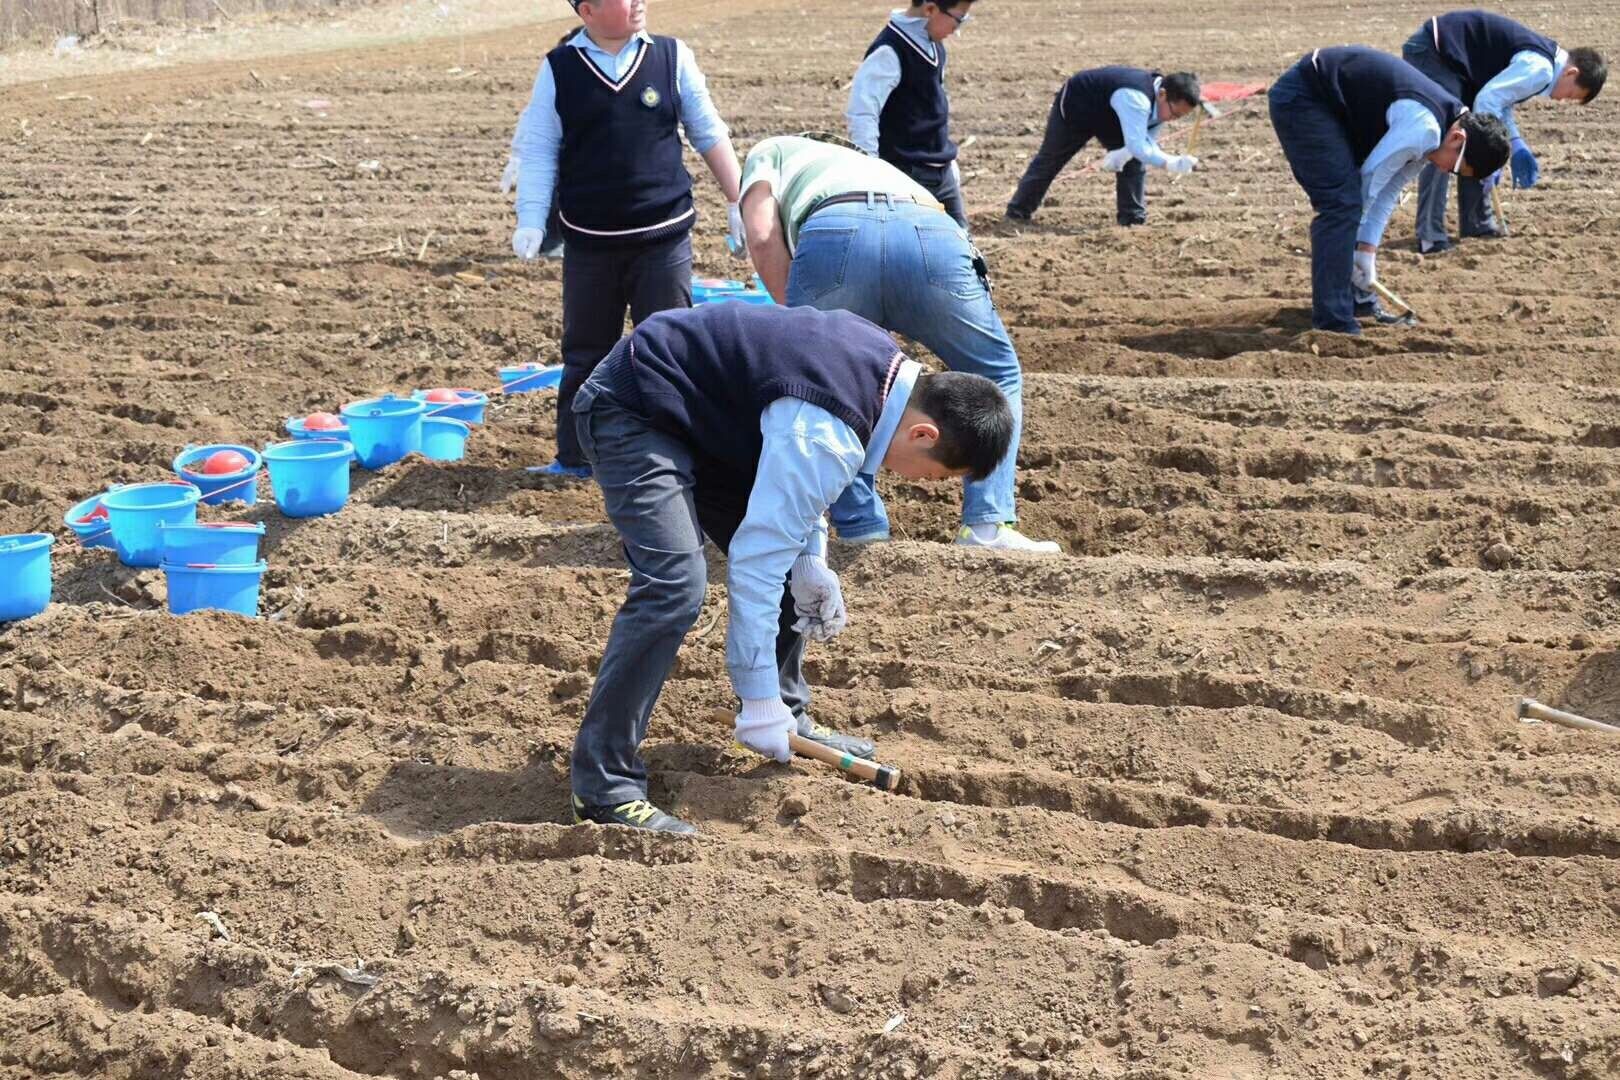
{"type": "Point", "coordinates": [1590, 71]}
{"type": "Point", "coordinates": [1183, 86]}
{"type": "Point", "coordinates": [947, 5]}
{"type": "Point", "coordinates": [975, 422]}
{"type": "Point", "coordinates": [1488, 143]}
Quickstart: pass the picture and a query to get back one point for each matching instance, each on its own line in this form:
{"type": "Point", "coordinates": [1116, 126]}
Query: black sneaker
{"type": "Point", "coordinates": [637, 814]}
{"type": "Point", "coordinates": [844, 744]}
{"type": "Point", "coordinates": [1017, 215]}
{"type": "Point", "coordinates": [1486, 234]}
{"type": "Point", "coordinates": [1439, 247]}
{"type": "Point", "coordinates": [1372, 309]}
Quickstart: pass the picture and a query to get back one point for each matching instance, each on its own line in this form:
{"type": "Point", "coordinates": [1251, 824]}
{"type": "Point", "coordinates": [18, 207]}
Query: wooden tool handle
{"type": "Point", "coordinates": [1383, 290]}
{"type": "Point", "coordinates": [1535, 710]}
{"type": "Point", "coordinates": [884, 777]}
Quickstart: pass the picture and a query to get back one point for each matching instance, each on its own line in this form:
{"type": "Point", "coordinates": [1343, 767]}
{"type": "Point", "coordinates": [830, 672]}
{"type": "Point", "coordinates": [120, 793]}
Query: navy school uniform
{"type": "Point", "coordinates": [1464, 51]}
{"type": "Point", "coordinates": [675, 422]}
{"type": "Point", "coordinates": [1330, 112]}
{"type": "Point", "coordinates": [1082, 111]}
{"type": "Point", "coordinates": [914, 124]}
{"type": "Point", "coordinates": [624, 199]}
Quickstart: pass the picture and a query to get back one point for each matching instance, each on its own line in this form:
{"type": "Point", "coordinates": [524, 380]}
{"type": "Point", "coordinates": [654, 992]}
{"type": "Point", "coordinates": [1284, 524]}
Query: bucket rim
{"type": "Point", "coordinates": [398, 407]}
{"type": "Point", "coordinates": [25, 542]}
{"type": "Point", "coordinates": [251, 526]}
{"type": "Point", "coordinates": [215, 568]}
{"type": "Point", "coordinates": [189, 493]}
{"type": "Point", "coordinates": [330, 448]}
{"type": "Point", "coordinates": [465, 427]}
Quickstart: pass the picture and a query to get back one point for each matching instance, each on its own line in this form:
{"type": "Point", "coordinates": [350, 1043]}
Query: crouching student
{"type": "Point", "coordinates": [743, 424]}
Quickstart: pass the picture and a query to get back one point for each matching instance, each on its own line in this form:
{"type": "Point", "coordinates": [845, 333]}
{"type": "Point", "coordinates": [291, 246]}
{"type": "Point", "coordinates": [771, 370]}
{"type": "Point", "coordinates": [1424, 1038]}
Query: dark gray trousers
{"type": "Point", "coordinates": [598, 285]}
{"type": "Point", "coordinates": [1474, 215]}
{"type": "Point", "coordinates": [662, 514]}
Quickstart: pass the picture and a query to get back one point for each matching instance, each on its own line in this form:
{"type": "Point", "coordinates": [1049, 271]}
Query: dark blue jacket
{"type": "Point", "coordinates": [1362, 83]}
{"type": "Point", "coordinates": [1084, 104]}
{"type": "Point", "coordinates": [620, 177]}
{"type": "Point", "coordinates": [706, 374]}
{"type": "Point", "coordinates": [915, 125]}
{"type": "Point", "coordinates": [1479, 45]}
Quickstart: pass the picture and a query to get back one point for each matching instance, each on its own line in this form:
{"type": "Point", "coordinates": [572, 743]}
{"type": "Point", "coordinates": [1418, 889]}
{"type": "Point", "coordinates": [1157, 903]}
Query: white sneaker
{"type": "Point", "coordinates": [1006, 538]}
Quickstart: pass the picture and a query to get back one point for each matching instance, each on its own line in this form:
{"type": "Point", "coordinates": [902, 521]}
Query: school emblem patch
{"type": "Point", "coordinates": [650, 98]}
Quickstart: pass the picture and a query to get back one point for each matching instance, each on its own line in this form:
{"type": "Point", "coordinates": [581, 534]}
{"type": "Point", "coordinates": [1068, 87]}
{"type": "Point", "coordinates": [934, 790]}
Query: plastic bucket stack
{"type": "Point", "coordinates": [309, 477]}
{"type": "Point", "coordinates": [25, 575]}
{"type": "Point", "coordinates": [384, 429]}
{"type": "Point", "coordinates": [136, 511]}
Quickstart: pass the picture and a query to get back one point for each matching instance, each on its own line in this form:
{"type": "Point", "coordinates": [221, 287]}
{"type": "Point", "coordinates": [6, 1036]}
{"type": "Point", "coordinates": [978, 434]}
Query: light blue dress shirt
{"type": "Point", "coordinates": [1138, 115]}
{"type": "Point", "coordinates": [538, 140]}
{"type": "Point", "coordinates": [1528, 75]}
{"type": "Point", "coordinates": [1394, 163]}
{"type": "Point", "coordinates": [877, 77]}
{"type": "Point", "coordinates": [809, 458]}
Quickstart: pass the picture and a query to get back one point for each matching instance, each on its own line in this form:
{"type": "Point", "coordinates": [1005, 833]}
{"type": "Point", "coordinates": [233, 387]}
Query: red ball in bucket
{"type": "Point", "coordinates": [443, 395]}
{"type": "Point", "coordinates": [223, 463]}
{"type": "Point", "coordinates": [322, 421]}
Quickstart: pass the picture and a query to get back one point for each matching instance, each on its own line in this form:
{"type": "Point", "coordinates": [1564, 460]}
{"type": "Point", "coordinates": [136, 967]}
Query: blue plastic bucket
{"type": "Point", "coordinates": [25, 575]}
{"type": "Point", "coordinates": [201, 587]}
{"type": "Point", "coordinates": [239, 486]}
{"type": "Point", "coordinates": [384, 429]}
{"type": "Point", "coordinates": [526, 377]}
{"type": "Point", "coordinates": [309, 477]}
{"type": "Point", "coordinates": [444, 439]}
{"type": "Point", "coordinates": [226, 543]}
{"type": "Point", "coordinates": [91, 529]}
{"type": "Point", "coordinates": [296, 428]}
{"type": "Point", "coordinates": [469, 410]}
{"type": "Point", "coordinates": [136, 510]}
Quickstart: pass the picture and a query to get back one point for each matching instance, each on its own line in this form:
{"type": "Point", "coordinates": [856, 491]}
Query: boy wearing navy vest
{"type": "Point", "coordinates": [1356, 126]}
{"type": "Point", "coordinates": [602, 132]}
{"type": "Point", "coordinates": [743, 424]}
{"type": "Point", "coordinates": [1122, 108]}
{"type": "Point", "coordinates": [898, 109]}
{"type": "Point", "coordinates": [1491, 64]}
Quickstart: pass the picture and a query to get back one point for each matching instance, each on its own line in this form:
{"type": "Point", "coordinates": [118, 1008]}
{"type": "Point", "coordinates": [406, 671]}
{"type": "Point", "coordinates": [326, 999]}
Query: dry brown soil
{"type": "Point", "coordinates": [1229, 790]}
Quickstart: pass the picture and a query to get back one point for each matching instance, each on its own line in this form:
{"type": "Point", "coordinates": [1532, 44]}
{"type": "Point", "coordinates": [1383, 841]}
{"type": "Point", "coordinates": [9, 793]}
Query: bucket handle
{"type": "Point", "coordinates": [506, 388]}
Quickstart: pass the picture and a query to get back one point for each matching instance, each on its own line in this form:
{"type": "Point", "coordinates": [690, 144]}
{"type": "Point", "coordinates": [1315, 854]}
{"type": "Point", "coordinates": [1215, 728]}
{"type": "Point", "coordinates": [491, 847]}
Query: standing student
{"type": "Point", "coordinates": [832, 228]}
{"type": "Point", "coordinates": [1491, 64]}
{"type": "Point", "coordinates": [1122, 108]}
{"type": "Point", "coordinates": [898, 109]}
{"type": "Point", "coordinates": [742, 424]}
{"type": "Point", "coordinates": [1356, 125]}
{"type": "Point", "coordinates": [602, 132]}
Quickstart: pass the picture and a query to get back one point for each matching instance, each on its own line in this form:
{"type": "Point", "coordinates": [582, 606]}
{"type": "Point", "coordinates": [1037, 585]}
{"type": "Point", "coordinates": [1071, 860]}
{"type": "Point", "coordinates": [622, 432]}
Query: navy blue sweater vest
{"type": "Point", "coordinates": [1362, 83]}
{"type": "Point", "coordinates": [620, 177]}
{"type": "Point", "coordinates": [1084, 104]}
{"type": "Point", "coordinates": [705, 375]}
{"type": "Point", "coordinates": [915, 125]}
{"type": "Point", "coordinates": [1479, 45]}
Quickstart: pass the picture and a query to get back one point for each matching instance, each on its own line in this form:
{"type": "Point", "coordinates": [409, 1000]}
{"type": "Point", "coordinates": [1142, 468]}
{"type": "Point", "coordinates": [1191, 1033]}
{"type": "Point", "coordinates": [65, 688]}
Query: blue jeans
{"type": "Point", "coordinates": [1317, 146]}
{"type": "Point", "coordinates": [910, 269]}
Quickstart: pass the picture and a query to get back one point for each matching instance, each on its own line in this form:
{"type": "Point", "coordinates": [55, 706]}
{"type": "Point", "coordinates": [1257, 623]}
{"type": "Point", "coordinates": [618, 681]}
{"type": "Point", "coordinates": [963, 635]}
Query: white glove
{"type": "Point", "coordinates": [526, 243]}
{"type": "Point", "coordinates": [764, 726]}
{"type": "Point", "coordinates": [1115, 160]}
{"type": "Point", "coordinates": [509, 176]}
{"type": "Point", "coordinates": [1181, 165]}
{"type": "Point", "coordinates": [817, 599]}
{"type": "Point", "coordinates": [736, 238]}
{"type": "Point", "coordinates": [1365, 271]}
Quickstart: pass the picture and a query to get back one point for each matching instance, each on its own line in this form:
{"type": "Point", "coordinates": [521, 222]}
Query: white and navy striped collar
{"type": "Point", "coordinates": [931, 55]}
{"type": "Point", "coordinates": [583, 45]}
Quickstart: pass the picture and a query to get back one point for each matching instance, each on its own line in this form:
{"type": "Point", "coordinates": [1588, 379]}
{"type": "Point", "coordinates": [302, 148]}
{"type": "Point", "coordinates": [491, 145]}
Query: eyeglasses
{"type": "Point", "coordinates": [959, 20]}
{"type": "Point", "coordinates": [1456, 169]}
